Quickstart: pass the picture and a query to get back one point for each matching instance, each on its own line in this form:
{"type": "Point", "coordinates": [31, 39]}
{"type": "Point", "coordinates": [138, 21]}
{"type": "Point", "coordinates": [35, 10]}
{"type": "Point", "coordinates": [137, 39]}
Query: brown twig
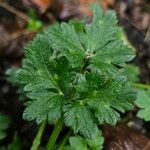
{"type": "Point", "coordinates": [16, 35]}
{"type": "Point", "coordinates": [14, 11]}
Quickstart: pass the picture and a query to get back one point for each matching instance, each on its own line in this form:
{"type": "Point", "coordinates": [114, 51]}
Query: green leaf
{"type": "Point", "coordinates": [97, 142]}
{"type": "Point", "coordinates": [102, 30]}
{"type": "Point", "coordinates": [47, 105]}
{"type": "Point", "coordinates": [39, 52]}
{"type": "Point", "coordinates": [79, 27]}
{"type": "Point", "coordinates": [78, 143]}
{"type": "Point", "coordinates": [101, 41]}
{"type": "Point", "coordinates": [80, 119]}
{"type": "Point", "coordinates": [131, 71]}
{"type": "Point", "coordinates": [90, 81]}
{"type": "Point", "coordinates": [143, 102]}
{"type": "Point", "coordinates": [37, 77]}
{"type": "Point", "coordinates": [69, 79]}
{"type": "Point", "coordinates": [65, 39]}
{"type": "Point", "coordinates": [15, 144]}
{"type": "Point", "coordinates": [13, 76]}
{"type": "Point", "coordinates": [114, 96]}
{"type": "Point", "coordinates": [71, 71]}
{"type": "Point", "coordinates": [113, 54]}
{"type": "Point", "coordinates": [4, 124]}
{"type": "Point", "coordinates": [34, 24]}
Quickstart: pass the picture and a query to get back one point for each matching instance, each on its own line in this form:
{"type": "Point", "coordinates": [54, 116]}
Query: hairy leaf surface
{"type": "Point", "coordinates": [143, 102]}
{"type": "Point", "coordinates": [71, 70]}
{"type": "Point", "coordinates": [80, 119]}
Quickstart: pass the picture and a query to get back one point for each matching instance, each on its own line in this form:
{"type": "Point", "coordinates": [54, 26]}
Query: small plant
{"type": "Point", "coordinates": [143, 102]}
{"type": "Point", "coordinates": [78, 143]}
{"type": "Point", "coordinates": [4, 124]}
{"type": "Point", "coordinates": [71, 77]}
{"type": "Point", "coordinates": [34, 23]}
{"type": "Point", "coordinates": [143, 91]}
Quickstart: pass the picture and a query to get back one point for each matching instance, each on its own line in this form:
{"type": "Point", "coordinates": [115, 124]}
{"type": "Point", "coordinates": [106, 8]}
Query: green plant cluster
{"type": "Point", "coordinates": [71, 71]}
{"type": "Point", "coordinates": [4, 125]}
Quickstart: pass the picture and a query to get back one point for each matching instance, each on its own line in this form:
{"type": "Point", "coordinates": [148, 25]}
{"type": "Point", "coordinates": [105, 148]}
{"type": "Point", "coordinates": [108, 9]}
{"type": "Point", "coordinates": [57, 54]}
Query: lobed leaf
{"type": "Point", "coordinates": [46, 106]}
{"type": "Point", "coordinates": [80, 119]}
{"type": "Point", "coordinates": [71, 71]}
{"type": "Point", "coordinates": [143, 102]}
{"type": "Point", "coordinates": [78, 143]}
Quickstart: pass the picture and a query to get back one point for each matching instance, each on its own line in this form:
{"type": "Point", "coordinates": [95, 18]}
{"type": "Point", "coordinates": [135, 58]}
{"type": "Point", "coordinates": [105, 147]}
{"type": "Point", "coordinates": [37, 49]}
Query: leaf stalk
{"type": "Point", "coordinates": [37, 139]}
{"type": "Point", "coordinates": [64, 141]}
{"type": "Point", "coordinates": [52, 140]}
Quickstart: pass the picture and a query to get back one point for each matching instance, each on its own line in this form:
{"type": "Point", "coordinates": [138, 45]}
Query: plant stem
{"type": "Point", "coordinates": [64, 141]}
{"type": "Point", "coordinates": [37, 139]}
{"type": "Point", "coordinates": [14, 11]}
{"type": "Point", "coordinates": [143, 86]}
{"type": "Point", "coordinates": [51, 142]}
